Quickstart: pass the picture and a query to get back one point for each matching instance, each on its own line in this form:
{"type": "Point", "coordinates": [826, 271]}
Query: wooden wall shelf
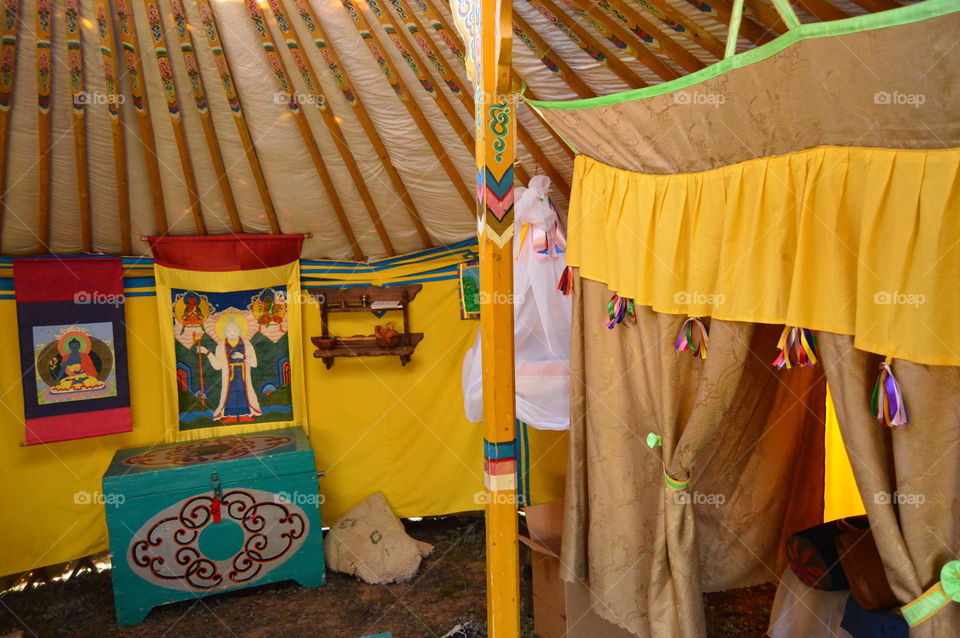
{"type": "Point", "coordinates": [373, 299]}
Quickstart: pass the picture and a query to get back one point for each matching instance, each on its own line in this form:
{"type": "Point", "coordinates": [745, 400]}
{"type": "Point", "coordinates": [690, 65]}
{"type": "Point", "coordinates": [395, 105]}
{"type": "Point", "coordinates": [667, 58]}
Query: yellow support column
{"type": "Point", "coordinates": [495, 153]}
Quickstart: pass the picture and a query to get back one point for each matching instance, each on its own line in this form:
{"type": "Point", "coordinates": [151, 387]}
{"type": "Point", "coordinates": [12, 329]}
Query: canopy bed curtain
{"type": "Point", "coordinates": [909, 477]}
{"type": "Point", "coordinates": [747, 437]}
{"type": "Point", "coordinates": [812, 183]}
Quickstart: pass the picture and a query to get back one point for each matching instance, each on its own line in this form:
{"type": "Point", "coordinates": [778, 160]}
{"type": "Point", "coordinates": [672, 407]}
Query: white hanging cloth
{"type": "Point", "coordinates": [542, 316]}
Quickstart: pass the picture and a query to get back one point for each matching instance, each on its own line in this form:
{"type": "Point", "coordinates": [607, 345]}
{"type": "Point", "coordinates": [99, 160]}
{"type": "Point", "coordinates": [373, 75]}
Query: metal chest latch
{"type": "Point", "coordinates": [217, 497]}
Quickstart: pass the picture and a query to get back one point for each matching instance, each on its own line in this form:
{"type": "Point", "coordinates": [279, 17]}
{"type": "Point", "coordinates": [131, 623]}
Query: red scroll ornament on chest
{"type": "Point", "coordinates": [183, 548]}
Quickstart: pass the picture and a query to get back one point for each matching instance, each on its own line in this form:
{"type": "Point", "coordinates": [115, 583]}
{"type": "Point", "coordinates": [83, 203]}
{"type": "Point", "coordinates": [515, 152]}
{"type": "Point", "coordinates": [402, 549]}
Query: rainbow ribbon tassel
{"type": "Point", "coordinates": [798, 347]}
{"type": "Point", "coordinates": [887, 400]}
{"type": "Point", "coordinates": [620, 309]}
{"type": "Point", "coordinates": [693, 337]}
{"type": "Point", "coordinates": [565, 285]}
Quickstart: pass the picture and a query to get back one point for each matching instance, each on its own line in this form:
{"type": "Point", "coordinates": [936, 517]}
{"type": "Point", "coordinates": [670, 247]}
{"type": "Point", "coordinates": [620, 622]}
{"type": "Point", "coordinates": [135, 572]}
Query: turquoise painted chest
{"type": "Point", "coordinates": [201, 517]}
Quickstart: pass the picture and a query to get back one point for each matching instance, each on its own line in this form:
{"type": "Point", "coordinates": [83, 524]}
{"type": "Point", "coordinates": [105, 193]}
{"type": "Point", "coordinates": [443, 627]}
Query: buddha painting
{"type": "Point", "coordinates": [234, 357]}
{"type": "Point", "coordinates": [74, 362]}
{"type": "Point", "coordinates": [77, 372]}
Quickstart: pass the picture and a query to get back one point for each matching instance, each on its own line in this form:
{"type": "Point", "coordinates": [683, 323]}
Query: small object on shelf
{"type": "Point", "coordinates": [377, 300]}
{"type": "Point", "coordinates": [387, 336]}
{"type": "Point", "coordinates": [325, 343]}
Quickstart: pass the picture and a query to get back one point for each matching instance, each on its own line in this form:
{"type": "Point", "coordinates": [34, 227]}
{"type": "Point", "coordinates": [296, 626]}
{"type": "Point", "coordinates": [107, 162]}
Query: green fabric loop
{"type": "Point", "coordinates": [950, 579]}
{"type": "Point", "coordinates": [935, 598]}
{"type": "Point", "coordinates": [673, 484]}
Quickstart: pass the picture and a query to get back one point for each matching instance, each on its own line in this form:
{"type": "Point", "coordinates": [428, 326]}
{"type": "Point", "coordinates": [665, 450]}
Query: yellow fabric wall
{"type": "Point", "coordinates": [841, 497]}
{"type": "Point", "coordinates": [374, 424]}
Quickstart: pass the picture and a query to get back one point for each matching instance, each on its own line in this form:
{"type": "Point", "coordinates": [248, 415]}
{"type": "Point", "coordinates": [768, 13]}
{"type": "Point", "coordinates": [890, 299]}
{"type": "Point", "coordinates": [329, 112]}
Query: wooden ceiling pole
{"type": "Point", "coordinates": [309, 77]}
{"type": "Point", "coordinates": [138, 91]}
{"type": "Point", "coordinates": [822, 10]}
{"type": "Point", "coordinates": [44, 78]}
{"type": "Point", "coordinates": [875, 6]}
{"type": "Point", "coordinates": [79, 122]}
{"type": "Point", "coordinates": [627, 41]}
{"type": "Point", "coordinates": [424, 76]}
{"type": "Point", "coordinates": [528, 35]}
{"type": "Point", "coordinates": [678, 22]}
{"type": "Point", "coordinates": [763, 13]}
{"type": "Point", "coordinates": [212, 35]}
{"type": "Point", "coordinates": [283, 87]}
{"type": "Point", "coordinates": [556, 136]}
{"type": "Point", "coordinates": [416, 29]}
{"type": "Point", "coordinates": [8, 59]}
{"type": "Point", "coordinates": [111, 74]}
{"type": "Point", "coordinates": [406, 98]}
{"type": "Point", "coordinates": [720, 11]}
{"type": "Point", "coordinates": [587, 42]}
{"type": "Point", "coordinates": [203, 110]}
{"type": "Point", "coordinates": [452, 39]}
{"type": "Point", "coordinates": [173, 109]}
{"type": "Point", "coordinates": [427, 81]}
{"type": "Point", "coordinates": [339, 74]}
{"type": "Point", "coordinates": [624, 40]}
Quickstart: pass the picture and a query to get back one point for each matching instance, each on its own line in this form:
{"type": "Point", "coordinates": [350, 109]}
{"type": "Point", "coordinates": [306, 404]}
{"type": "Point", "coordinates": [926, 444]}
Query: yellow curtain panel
{"type": "Point", "coordinates": [856, 241]}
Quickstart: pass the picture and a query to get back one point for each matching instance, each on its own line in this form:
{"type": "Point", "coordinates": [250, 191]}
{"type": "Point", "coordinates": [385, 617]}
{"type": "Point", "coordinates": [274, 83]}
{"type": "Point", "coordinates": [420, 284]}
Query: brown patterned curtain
{"type": "Point", "coordinates": [750, 438]}
{"type": "Point", "coordinates": [908, 477]}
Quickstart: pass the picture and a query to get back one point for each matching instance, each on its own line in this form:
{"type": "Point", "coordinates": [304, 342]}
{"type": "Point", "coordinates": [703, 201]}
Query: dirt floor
{"type": "Point", "coordinates": [448, 591]}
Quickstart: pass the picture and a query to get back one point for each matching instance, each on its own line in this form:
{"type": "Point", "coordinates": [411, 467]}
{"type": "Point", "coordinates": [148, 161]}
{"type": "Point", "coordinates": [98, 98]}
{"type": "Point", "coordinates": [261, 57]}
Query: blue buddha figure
{"type": "Point", "coordinates": [77, 373]}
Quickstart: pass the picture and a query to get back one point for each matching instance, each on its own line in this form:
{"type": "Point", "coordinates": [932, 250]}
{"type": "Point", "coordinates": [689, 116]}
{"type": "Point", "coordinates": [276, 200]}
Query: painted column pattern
{"type": "Point", "coordinates": [212, 34]}
{"type": "Point", "coordinates": [173, 108]}
{"type": "Point", "coordinates": [134, 73]}
{"type": "Point", "coordinates": [113, 100]}
{"type": "Point", "coordinates": [488, 24]}
{"type": "Point", "coordinates": [8, 66]}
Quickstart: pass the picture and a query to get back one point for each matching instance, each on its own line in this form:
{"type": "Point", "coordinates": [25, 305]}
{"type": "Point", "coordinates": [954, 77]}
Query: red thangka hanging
{"type": "Point", "coordinates": [70, 314]}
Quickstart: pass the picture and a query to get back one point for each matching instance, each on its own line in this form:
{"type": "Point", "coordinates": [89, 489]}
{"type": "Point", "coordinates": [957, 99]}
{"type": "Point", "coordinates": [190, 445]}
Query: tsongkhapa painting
{"type": "Point", "coordinates": [232, 354]}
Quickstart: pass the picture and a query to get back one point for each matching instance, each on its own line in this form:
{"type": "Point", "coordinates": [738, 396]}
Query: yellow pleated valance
{"type": "Point", "coordinates": [856, 241]}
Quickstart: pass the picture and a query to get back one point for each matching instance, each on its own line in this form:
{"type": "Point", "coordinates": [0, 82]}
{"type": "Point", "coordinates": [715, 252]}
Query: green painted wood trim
{"type": "Point", "coordinates": [894, 17]}
{"type": "Point", "coordinates": [787, 13]}
{"type": "Point", "coordinates": [733, 32]}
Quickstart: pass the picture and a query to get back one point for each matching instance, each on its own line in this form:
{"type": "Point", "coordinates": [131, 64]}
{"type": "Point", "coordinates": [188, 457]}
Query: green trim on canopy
{"type": "Point", "coordinates": [894, 17]}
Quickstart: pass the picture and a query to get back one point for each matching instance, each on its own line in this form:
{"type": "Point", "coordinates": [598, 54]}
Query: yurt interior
{"type": "Point", "coordinates": [480, 318]}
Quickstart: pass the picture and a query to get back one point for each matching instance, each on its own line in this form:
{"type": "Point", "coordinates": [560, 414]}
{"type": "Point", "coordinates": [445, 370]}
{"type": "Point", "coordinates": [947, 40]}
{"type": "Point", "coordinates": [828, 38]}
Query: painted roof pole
{"type": "Point", "coordinates": [496, 123]}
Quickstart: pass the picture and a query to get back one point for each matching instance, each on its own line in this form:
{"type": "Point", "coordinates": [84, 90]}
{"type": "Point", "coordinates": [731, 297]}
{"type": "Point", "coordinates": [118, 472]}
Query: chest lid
{"type": "Point", "coordinates": [176, 466]}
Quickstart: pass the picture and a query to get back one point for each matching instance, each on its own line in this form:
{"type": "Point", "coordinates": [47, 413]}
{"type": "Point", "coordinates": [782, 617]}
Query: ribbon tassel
{"type": "Point", "coordinates": [565, 285]}
{"type": "Point", "coordinates": [798, 347]}
{"type": "Point", "coordinates": [693, 337]}
{"type": "Point", "coordinates": [887, 400]}
{"type": "Point", "coordinates": [620, 309]}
